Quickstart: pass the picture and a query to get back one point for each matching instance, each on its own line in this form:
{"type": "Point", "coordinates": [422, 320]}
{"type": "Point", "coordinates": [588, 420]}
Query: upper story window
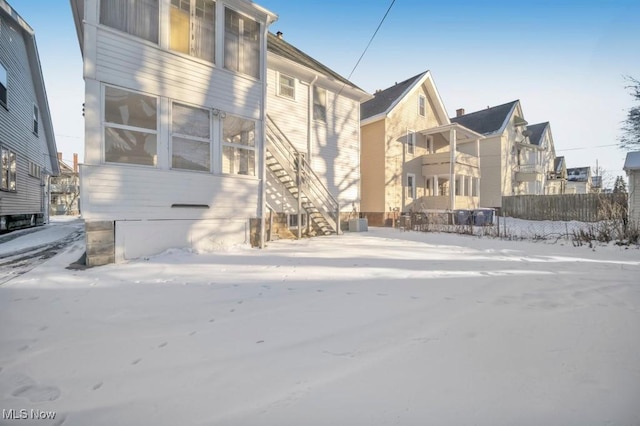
{"type": "Point", "coordinates": [286, 86]}
{"type": "Point", "coordinates": [136, 17]}
{"type": "Point", "coordinates": [411, 142]}
{"type": "Point", "coordinates": [319, 104]}
{"type": "Point", "coordinates": [422, 106]}
{"type": "Point", "coordinates": [35, 120]}
{"type": "Point", "coordinates": [190, 138]}
{"type": "Point", "coordinates": [3, 86]}
{"type": "Point", "coordinates": [411, 185]}
{"type": "Point", "coordinates": [130, 127]}
{"type": "Point", "coordinates": [238, 146]}
{"type": "Point", "coordinates": [8, 169]}
{"type": "Point", "coordinates": [241, 43]}
{"type": "Point", "coordinates": [192, 28]}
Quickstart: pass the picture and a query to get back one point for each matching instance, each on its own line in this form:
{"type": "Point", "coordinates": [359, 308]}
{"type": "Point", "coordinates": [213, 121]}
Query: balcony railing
{"type": "Point", "coordinates": [64, 188]}
{"type": "Point", "coordinates": [439, 163]}
{"type": "Point", "coordinates": [528, 172]}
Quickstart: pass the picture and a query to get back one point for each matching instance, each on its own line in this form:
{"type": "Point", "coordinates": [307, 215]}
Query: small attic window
{"type": "Point", "coordinates": [422, 106]}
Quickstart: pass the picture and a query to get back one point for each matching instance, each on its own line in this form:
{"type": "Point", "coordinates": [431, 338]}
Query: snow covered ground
{"type": "Point", "coordinates": [376, 328]}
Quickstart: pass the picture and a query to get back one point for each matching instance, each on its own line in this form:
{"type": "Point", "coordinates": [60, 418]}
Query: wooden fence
{"type": "Point", "coordinates": [580, 207]}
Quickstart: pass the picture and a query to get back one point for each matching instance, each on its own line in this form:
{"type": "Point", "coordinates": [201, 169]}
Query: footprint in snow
{"type": "Point", "coordinates": [382, 294]}
{"type": "Point", "coordinates": [211, 320]}
{"type": "Point", "coordinates": [162, 345]}
{"type": "Point", "coordinates": [35, 393]}
{"type": "Point", "coordinates": [240, 302]}
{"type": "Point", "coordinates": [194, 332]}
{"type": "Point", "coordinates": [136, 361]}
{"type": "Point", "coordinates": [97, 386]}
{"type": "Point", "coordinates": [232, 310]}
{"type": "Point", "coordinates": [43, 328]}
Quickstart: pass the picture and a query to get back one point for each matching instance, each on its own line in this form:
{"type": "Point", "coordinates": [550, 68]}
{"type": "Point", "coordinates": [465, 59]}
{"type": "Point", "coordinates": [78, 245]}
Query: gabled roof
{"type": "Point", "coordinates": [280, 47]}
{"type": "Point", "coordinates": [488, 121]}
{"type": "Point", "coordinates": [632, 162]}
{"type": "Point", "coordinates": [384, 100]}
{"type": "Point", "coordinates": [558, 164]}
{"type": "Point", "coordinates": [537, 131]}
{"type": "Point", "coordinates": [38, 81]}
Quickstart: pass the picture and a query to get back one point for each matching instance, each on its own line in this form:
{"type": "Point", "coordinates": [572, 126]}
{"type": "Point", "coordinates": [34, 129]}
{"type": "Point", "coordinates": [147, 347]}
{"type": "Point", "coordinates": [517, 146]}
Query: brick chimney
{"type": "Point", "coordinates": [75, 163]}
{"type": "Point", "coordinates": [59, 156]}
{"type": "Point", "coordinates": [459, 112]}
{"type": "Point", "coordinates": [279, 34]}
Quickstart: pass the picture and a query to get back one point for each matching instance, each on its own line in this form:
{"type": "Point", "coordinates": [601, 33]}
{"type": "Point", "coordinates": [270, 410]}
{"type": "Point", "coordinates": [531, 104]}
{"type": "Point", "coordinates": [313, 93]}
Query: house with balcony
{"type": "Point", "coordinates": [509, 163]}
{"type": "Point", "coordinates": [313, 143]}
{"type": "Point", "coordinates": [27, 142]}
{"type": "Point", "coordinates": [413, 158]}
{"type": "Point", "coordinates": [175, 110]}
{"type": "Point", "coordinates": [546, 182]}
{"type": "Point", "coordinates": [579, 180]}
{"type": "Point", "coordinates": [65, 189]}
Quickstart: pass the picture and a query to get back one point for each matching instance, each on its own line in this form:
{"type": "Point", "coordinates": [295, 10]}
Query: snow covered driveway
{"type": "Point", "coordinates": [379, 328]}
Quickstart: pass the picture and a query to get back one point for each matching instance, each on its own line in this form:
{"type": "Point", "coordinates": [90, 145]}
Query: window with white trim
{"type": "Point", "coordinates": [411, 185]}
{"type": "Point", "coordinates": [458, 183]}
{"type": "Point", "coordinates": [319, 104]}
{"type": "Point", "coordinates": [286, 86]}
{"type": "Point", "coordinates": [8, 169]}
{"type": "Point", "coordinates": [411, 142]}
{"type": "Point", "coordinates": [192, 28]}
{"type": "Point", "coordinates": [3, 86]}
{"type": "Point", "coordinates": [190, 138]}
{"type": "Point", "coordinates": [130, 127]}
{"type": "Point", "coordinates": [35, 120]}
{"type": "Point", "coordinates": [422, 106]}
{"type": "Point", "coordinates": [241, 43]}
{"type": "Point", "coordinates": [136, 17]}
{"type": "Point", "coordinates": [238, 146]}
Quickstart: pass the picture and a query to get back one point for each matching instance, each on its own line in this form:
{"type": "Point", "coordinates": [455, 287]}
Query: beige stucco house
{"type": "Point", "coordinates": [510, 163]}
{"type": "Point", "coordinates": [413, 158]}
{"type": "Point", "coordinates": [557, 177]}
{"type": "Point", "coordinates": [632, 167]}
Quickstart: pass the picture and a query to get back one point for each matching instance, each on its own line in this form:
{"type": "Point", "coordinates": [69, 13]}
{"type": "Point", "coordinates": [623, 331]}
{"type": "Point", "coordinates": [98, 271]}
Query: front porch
{"type": "Point", "coordinates": [451, 169]}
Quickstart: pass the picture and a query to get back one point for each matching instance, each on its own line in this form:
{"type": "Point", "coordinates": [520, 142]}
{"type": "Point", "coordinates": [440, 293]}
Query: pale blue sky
{"type": "Point", "coordinates": [564, 60]}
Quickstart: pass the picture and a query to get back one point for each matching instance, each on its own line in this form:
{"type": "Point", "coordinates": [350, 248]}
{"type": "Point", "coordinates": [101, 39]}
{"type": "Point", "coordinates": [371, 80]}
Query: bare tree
{"type": "Point", "coordinates": [630, 138]}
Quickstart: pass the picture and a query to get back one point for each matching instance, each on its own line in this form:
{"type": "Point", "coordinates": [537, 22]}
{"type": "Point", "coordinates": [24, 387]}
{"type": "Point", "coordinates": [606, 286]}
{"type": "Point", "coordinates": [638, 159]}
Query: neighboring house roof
{"type": "Point", "coordinates": [579, 174]}
{"type": "Point", "coordinates": [488, 121]}
{"type": "Point", "coordinates": [632, 162]}
{"type": "Point", "coordinates": [384, 100]}
{"type": "Point", "coordinates": [558, 164]}
{"type": "Point", "coordinates": [280, 47]}
{"type": "Point", "coordinates": [537, 131]}
{"type": "Point", "coordinates": [37, 79]}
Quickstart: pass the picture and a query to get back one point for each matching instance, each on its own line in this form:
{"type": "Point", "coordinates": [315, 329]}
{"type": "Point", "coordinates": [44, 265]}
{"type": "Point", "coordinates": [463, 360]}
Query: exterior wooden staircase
{"type": "Point", "coordinates": [295, 174]}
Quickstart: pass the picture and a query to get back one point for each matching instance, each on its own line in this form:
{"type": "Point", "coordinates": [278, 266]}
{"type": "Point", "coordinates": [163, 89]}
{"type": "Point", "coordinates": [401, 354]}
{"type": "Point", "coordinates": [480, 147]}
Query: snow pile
{"type": "Point", "coordinates": [376, 328]}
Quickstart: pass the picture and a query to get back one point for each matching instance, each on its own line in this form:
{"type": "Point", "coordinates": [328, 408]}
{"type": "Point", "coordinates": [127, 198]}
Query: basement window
{"type": "Point", "coordinates": [292, 220]}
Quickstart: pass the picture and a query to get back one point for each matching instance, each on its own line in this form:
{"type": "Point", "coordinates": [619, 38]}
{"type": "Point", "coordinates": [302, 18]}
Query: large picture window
{"type": "Point", "coordinates": [8, 168]}
{"type": "Point", "coordinates": [130, 127]}
{"type": "Point", "coordinates": [3, 86]}
{"type": "Point", "coordinates": [241, 43]}
{"type": "Point", "coordinates": [190, 138]}
{"type": "Point", "coordinates": [135, 17]}
{"type": "Point", "coordinates": [238, 146]}
{"type": "Point", "coordinates": [193, 28]}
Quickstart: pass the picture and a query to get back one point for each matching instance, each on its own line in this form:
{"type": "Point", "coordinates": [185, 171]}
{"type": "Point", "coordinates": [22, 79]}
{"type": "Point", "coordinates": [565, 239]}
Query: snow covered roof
{"type": "Point", "coordinates": [633, 161]}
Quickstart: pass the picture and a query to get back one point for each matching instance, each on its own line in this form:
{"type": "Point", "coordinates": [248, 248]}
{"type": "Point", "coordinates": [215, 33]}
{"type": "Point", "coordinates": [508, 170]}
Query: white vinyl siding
{"type": "Point", "coordinates": [136, 17]}
{"type": "Point", "coordinates": [130, 127]}
{"type": "Point", "coordinates": [241, 43]}
{"type": "Point", "coordinates": [190, 138]}
{"type": "Point", "coordinates": [192, 28]}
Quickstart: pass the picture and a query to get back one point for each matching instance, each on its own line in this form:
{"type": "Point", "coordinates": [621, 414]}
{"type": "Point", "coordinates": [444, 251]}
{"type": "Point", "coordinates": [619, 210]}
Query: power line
{"type": "Point", "coordinates": [371, 40]}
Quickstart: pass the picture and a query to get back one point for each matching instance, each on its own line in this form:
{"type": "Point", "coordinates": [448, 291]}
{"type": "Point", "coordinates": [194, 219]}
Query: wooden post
{"type": "Point", "coordinates": [299, 185]}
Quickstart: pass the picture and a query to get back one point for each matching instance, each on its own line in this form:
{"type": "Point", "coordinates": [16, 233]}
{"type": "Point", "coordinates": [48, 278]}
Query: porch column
{"type": "Point", "coordinates": [436, 186]}
{"type": "Point", "coordinates": [452, 165]}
